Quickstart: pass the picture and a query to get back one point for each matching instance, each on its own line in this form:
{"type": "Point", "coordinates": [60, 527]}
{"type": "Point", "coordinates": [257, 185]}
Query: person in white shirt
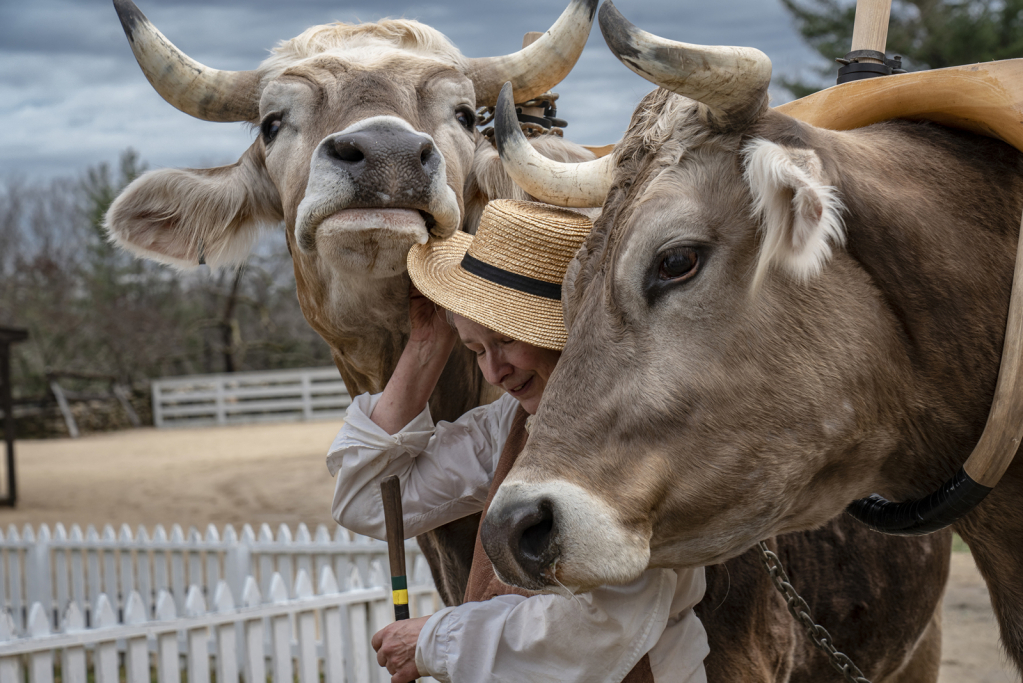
{"type": "Point", "coordinates": [502, 289]}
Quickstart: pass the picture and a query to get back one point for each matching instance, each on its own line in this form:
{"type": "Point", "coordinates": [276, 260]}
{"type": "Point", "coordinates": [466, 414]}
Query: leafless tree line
{"type": "Point", "coordinates": [92, 308]}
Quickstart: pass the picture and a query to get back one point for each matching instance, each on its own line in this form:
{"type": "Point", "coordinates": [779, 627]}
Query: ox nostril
{"type": "Point", "coordinates": [347, 151]}
{"type": "Point", "coordinates": [535, 540]}
{"type": "Point", "coordinates": [521, 538]}
{"type": "Point", "coordinates": [426, 154]}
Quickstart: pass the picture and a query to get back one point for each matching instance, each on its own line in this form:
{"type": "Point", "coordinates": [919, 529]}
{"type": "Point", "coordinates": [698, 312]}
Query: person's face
{"type": "Point", "coordinates": [519, 368]}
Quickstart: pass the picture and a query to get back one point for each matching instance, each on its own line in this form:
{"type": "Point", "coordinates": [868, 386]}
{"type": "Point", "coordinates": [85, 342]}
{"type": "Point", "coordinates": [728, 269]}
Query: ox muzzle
{"type": "Point", "coordinates": [555, 535]}
{"type": "Point", "coordinates": [375, 189]}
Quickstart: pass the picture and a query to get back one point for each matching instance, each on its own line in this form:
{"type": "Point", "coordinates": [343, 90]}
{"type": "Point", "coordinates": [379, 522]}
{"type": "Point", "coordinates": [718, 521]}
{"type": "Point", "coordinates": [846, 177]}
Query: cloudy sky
{"type": "Point", "coordinates": [72, 95]}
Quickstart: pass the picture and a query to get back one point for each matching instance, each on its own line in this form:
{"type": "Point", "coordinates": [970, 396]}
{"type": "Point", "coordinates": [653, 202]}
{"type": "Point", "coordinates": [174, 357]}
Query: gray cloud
{"type": "Point", "coordinates": [71, 94]}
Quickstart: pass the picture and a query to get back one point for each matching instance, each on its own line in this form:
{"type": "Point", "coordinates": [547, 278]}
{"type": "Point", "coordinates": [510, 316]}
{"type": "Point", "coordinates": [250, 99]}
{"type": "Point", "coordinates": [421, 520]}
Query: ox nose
{"type": "Point", "coordinates": [384, 157]}
{"type": "Point", "coordinates": [522, 534]}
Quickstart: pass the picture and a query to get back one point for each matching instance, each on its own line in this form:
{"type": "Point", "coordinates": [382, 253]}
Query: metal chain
{"type": "Point", "coordinates": [801, 611]}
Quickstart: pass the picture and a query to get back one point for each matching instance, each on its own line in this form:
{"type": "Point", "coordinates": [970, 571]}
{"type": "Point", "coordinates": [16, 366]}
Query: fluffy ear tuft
{"type": "Point", "coordinates": [801, 217]}
{"type": "Point", "coordinates": [186, 217]}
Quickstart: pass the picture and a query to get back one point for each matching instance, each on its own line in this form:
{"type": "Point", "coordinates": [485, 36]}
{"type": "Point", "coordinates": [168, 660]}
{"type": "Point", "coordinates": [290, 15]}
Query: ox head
{"type": "Point", "coordinates": [725, 354]}
{"type": "Point", "coordinates": [366, 136]}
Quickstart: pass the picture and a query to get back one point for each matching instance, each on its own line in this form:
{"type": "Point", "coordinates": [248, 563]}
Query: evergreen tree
{"type": "Point", "coordinates": [929, 34]}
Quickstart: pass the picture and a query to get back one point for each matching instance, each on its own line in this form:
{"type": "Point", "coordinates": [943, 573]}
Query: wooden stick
{"type": "Point", "coordinates": [390, 491]}
{"type": "Point", "coordinates": [870, 32]}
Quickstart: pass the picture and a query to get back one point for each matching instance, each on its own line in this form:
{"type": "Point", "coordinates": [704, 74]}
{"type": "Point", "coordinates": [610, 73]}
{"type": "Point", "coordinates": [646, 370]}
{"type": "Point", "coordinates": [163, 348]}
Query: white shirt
{"type": "Point", "coordinates": [445, 472]}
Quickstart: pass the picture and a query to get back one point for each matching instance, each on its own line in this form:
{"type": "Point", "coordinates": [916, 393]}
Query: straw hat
{"type": "Point", "coordinates": [508, 277]}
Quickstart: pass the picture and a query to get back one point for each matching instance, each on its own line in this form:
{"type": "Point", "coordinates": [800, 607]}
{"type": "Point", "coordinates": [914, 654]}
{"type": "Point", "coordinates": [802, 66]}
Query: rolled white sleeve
{"type": "Point", "coordinates": [597, 636]}
{"type": "Point", "coordinates": [445, 469]}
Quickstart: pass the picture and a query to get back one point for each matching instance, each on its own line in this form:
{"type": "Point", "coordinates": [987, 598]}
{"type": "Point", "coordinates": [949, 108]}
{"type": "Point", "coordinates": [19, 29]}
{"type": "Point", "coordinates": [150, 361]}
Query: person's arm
{"type": "Point", "coordinates": [419, 367]}
{"type": "Point", "coordinates": [445, 470]}
{"type": "Point", "coordinates": [597, 636]}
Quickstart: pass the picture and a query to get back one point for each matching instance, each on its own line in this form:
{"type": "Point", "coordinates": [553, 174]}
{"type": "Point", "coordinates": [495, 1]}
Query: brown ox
{"type": "Point", "coordinates": [769, 321]}
{"type": "Point", "coordinates": [366, 140]}
{"type": "Point", "coordinates": [853, 578]}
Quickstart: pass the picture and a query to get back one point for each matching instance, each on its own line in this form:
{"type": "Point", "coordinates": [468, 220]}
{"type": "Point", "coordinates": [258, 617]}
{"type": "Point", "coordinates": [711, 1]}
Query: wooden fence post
{"type": "Point", "coordinates": [105, 654]}
{"type": "Point", "coordinates": [305, 625]}
{"type": "Point", "coordinates": [72, 661]}
{"type": "Point", "coordinates": [40, 668]}
{"type": "Point", "coordinates": [333, 635]}
{"type": "Point", "coordinates": [143, 567]}
{"type": "Point", "coordinates": [198, 650]}
{"type": "Point", "coordinates": [168, 664]}
{"type": "Point", "coordinates": [255, 659]}
{"type": "Point", "coordinates": [136, 656]}
{"type": "Point", "coordinates": [227, 637]}
{"type": "Point", "coordinates": [280, 634]}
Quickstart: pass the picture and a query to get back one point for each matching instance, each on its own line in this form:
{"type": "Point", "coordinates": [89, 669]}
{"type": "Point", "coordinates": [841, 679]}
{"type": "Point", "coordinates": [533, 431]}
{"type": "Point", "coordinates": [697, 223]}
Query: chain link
{"type": "Point", "coordinates": [801, 611]}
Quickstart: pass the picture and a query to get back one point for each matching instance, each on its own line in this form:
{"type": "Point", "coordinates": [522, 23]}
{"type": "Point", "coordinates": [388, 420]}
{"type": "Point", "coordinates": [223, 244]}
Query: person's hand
{"type": "Point", "coordinates": [429, 322]}
{"type": "Point", "coordinates": [396, 649]}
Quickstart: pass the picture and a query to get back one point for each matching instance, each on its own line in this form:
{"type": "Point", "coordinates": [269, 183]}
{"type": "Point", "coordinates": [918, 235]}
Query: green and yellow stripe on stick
{"type": "Point", "coordinates": [390, 492]}
{"type": "Point", "coordinates": [399, 593]}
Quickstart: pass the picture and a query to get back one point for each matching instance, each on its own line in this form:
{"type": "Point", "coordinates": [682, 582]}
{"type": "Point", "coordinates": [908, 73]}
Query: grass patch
{"type": "Point", "coordinates": [959, 545]}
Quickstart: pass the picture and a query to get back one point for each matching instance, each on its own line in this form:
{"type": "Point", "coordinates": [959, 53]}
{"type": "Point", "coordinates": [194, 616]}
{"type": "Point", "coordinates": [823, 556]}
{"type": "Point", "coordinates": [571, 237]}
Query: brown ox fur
{"type": "Point", "coordinates": [705, 414]}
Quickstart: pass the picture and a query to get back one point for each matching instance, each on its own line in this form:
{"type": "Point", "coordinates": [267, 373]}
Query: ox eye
{"type": "Point", "coordinates": [270, 127]}
{"type": "Point", "coordinates": [679, 264]}
{"type": "Point", "coordinates": [466, 117]}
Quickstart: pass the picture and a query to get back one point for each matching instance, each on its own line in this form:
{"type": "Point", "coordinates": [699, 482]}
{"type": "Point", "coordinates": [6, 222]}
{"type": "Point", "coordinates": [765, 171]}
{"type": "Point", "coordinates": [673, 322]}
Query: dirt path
{"type": "Point", "coordinates": [254, 474]}
{"type": "Point", "coordinates": [276, 473]}
{"type": "Point", "coordinates": [969, 646]}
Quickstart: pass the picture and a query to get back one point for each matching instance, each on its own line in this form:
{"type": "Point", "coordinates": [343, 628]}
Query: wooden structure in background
{"type": "Point", "coordinates": [8, 336]}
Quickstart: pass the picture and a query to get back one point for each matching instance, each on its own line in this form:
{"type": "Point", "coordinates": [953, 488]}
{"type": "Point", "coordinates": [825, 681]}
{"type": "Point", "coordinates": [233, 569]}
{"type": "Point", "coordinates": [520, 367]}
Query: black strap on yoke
{"type": "Point", "coordinates": [955, 498]}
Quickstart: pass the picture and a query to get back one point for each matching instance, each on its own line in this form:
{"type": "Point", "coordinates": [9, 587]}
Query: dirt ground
{"type": "Point", "coordinates": [276, 473]}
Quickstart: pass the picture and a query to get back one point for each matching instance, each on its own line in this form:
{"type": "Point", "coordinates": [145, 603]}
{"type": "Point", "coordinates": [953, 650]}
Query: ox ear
{"type": "Point", "coordinates": [800, 216]}
{"type": "Point", "coordinates": [186, 217]}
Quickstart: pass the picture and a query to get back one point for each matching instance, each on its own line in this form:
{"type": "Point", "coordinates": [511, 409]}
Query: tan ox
{"type": "Point", "coordinates": [769, 321]}
{"type": "Point", "coordinates": [366, 140]}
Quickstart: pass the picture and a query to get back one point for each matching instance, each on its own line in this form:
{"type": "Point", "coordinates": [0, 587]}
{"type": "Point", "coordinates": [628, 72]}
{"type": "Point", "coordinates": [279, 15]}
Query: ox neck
{"type": "Point", "coordinates": [374, 315]}
{"type": "Point", "coordinates": [947, 287]}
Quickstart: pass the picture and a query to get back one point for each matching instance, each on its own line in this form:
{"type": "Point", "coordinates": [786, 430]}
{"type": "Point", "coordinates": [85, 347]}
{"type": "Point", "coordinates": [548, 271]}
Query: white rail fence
{"type": "Point", "coordinates": [60, 569]}
{"type": "Point", "coordinates": [277, 635]}
{"type": "Point", "coordinates": [237, 398]}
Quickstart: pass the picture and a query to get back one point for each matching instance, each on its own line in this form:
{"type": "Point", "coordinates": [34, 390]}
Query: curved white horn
{"type": "Point", "coordinates": [576, 185]}
{"type": "Point", "coordinates": [730, 81]}
{"type": "Point", "coordinates": [536, 69]}
{"type": "Point", "coordinates": [195, 89]}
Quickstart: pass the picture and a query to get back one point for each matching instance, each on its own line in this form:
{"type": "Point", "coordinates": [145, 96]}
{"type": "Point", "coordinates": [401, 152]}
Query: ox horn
{"type": "Point", "coordinates": [195, 89]}
{"type": "Point", "coordinates": [577, 185]}
{"type": "Point", "coordinates": [539, 67]}
{"type": "Point", "coordinates": [731, 82]}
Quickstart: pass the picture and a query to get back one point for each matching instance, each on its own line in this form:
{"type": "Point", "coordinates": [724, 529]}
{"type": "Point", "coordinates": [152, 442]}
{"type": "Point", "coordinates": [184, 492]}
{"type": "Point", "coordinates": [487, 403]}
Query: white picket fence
{"type": "Point", "coordinates": [60, 569]}
{"type": "Point", "coordinates": [277, 635]}
{"type": "Point", "coordinates": [237, 398]}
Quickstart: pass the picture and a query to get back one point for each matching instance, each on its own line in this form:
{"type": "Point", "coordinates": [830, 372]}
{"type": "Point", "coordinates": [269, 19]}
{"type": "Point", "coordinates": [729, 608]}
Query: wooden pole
{"type": "Point", "coordinates": [870, 32]}
{"type": "Point", "coordinates": [390, 491]}
{"type": "Point", "coordinates": [7, 405]}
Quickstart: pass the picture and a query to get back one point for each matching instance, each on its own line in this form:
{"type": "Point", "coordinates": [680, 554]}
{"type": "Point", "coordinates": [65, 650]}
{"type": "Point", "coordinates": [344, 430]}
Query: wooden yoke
{"type": "Point", "coordinates": [982, 98]}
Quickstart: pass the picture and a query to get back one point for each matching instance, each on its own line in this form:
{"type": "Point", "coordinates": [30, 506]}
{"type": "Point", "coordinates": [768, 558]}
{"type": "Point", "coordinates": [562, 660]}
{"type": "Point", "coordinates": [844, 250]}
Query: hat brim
{"type": "Point", "coordinates": [435, 269]}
